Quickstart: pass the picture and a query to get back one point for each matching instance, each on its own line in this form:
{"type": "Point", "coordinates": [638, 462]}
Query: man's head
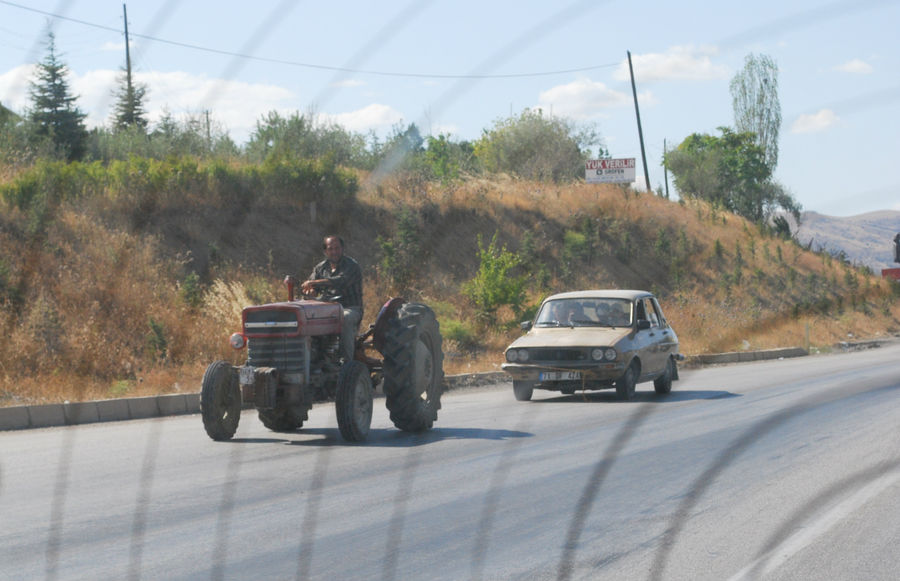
{"type": "Point", "coordinates": [574, 312]}
{"type": "Point", "coordinates": [334, 248]}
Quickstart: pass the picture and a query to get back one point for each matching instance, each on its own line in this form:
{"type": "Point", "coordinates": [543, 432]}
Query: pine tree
{"type": "Point", "coordinates": [54, 111]}
{"type": "Point", "coordinates": [129, 109]}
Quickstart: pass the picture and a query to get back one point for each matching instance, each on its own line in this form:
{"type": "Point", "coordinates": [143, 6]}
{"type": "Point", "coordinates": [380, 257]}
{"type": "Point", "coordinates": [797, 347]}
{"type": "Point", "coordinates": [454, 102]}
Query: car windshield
{"type": "Point", "coordinates": [585, 312]}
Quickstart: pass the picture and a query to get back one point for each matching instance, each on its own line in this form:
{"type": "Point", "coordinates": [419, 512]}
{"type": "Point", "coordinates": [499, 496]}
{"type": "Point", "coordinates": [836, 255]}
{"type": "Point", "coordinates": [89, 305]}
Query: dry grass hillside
{"type": "Point", "coordinates": [119, 300]}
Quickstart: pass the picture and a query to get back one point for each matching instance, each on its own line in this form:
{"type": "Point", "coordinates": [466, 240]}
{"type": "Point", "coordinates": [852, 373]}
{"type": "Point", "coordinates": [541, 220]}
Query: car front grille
{"type": "Point", "coordinates": [557, 354]}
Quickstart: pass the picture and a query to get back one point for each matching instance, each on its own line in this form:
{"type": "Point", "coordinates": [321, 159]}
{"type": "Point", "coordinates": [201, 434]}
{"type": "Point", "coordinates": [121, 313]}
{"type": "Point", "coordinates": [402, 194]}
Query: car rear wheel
{"type": "Point", "coordinates": [625, 386]}
{"type": "Point", "coordinates": [523, 390]}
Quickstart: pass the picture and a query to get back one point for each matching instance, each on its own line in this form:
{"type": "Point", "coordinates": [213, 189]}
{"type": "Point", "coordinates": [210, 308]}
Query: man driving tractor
{"type": "Point", "coordinates": [339, 278]}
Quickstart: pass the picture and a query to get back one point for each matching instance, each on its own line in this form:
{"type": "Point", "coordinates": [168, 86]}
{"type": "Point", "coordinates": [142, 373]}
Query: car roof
{"type": "Point", "coordinates": [601, 294]}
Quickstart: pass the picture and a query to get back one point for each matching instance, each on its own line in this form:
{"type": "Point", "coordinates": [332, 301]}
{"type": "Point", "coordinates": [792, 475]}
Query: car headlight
{"type": "Point", "coordinates": [597, 353]}
{"type": "Point", "coordinates": [610, 354]}
{"type": "Point", "coordinates": [513, 355]}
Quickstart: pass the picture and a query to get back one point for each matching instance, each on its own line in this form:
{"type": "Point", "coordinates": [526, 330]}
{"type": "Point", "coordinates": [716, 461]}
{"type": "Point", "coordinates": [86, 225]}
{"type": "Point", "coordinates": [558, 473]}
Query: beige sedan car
{"type": "Point", "coordinates": [595, 339]}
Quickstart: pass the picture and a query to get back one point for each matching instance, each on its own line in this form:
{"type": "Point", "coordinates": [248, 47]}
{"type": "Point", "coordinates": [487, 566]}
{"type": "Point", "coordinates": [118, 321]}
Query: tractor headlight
{"type": "Point", "coordinates": [237, 341]}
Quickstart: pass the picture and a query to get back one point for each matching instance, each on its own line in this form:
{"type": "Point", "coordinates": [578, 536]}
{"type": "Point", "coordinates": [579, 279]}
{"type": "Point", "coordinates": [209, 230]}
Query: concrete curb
{"type": "Point", "coordinates": [89, 412]}
{"type": "Point", "coordinates": [474, 379]}
{"type": "Point", "coordinates": [745, 356]}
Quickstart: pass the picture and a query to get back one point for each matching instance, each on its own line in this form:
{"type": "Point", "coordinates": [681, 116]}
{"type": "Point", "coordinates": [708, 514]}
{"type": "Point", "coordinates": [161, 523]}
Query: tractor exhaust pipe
{"type": "Point", "coordinates": [289, 282]}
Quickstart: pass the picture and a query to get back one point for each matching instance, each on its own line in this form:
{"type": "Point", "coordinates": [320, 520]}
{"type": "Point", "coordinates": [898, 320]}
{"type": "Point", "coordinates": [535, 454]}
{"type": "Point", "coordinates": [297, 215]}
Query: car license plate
{"type": "Point", "coordinates": [560, 375]}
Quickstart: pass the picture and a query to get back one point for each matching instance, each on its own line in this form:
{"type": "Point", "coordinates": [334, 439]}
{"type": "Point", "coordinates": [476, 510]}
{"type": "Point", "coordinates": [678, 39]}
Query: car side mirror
{"type": "Point", "coordinates": [525, 325]}
{"type": "Point", "coordinates": [643, 324]}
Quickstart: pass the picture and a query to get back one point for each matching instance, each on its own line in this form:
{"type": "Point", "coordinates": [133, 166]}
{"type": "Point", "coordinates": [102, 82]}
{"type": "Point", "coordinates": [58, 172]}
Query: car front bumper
{"type": "Point", "coordinates": [543, 373]}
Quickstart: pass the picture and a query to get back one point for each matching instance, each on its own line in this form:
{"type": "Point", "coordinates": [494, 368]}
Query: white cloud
{"type": "Point", "coordinates": [450, 130]}
{"type": "Point", "coordinates": [236, 105]}
{"type": "Point", "coordinates": [855, 66]}
{"type": "Point", "coordinates": [95, 94]}
{"type": "Point", "coordinates": [679, 63]}
{"type": "Point", "coordinates": [819, 121]}
{"type": "Point", "coordinates": [14, 87]}
{"type": "Point", "coordinates": [581, 99]}
{"type": "Point", "coordinates": [375, 116]}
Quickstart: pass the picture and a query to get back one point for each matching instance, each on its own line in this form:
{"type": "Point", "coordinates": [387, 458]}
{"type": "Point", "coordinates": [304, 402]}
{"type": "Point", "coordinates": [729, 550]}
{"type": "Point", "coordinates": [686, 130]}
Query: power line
{"type": "Point", "coordinates": [314, 65]}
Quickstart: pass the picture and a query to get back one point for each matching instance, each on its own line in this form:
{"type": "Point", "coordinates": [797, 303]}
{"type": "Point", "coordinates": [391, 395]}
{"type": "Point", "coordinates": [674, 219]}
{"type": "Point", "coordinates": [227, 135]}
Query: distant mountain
{"type": "Point", "coordinates": [866, 239]}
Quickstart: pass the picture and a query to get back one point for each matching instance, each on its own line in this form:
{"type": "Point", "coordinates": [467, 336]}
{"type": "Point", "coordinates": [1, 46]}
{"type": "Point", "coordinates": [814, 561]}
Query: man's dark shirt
{"type": "Point", "coordinates": [345, 282]}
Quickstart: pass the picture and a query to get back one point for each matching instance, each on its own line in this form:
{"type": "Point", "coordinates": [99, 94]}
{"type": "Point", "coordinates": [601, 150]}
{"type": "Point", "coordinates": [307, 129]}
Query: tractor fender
{"type": "Point", "coordinates": [379, 328]}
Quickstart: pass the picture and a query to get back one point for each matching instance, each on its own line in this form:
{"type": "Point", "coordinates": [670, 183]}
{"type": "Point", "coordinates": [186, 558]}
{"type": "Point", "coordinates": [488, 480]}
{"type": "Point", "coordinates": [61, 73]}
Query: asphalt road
{"type": "Point", "coordinates": [783, 469]}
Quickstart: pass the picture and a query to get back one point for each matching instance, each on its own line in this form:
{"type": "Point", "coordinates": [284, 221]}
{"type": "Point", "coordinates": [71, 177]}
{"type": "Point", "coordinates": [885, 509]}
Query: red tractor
{"type": "Point", "coordinates": [293, 359]}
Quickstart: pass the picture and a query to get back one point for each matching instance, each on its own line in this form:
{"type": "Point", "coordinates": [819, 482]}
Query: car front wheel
{"type": "Point", "coordinates": [625, 386]}
{"type": "Point", "coordinates": [523, 390]}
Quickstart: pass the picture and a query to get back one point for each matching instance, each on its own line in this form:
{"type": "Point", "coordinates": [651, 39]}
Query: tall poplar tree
{"type": "Point", "coordinates": [54, 111]}
{"type": "Point", "coordinates": [754, 94]}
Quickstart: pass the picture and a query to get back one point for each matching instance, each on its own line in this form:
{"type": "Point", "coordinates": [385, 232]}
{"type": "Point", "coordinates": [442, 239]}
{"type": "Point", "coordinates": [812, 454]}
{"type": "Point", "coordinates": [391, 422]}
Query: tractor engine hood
{"type": "Point", "coordinates": [293, 319]}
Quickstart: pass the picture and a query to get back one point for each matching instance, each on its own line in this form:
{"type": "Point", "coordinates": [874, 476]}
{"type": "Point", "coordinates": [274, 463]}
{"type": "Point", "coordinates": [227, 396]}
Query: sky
{"type": "Point", "coordinates": [457, 67]}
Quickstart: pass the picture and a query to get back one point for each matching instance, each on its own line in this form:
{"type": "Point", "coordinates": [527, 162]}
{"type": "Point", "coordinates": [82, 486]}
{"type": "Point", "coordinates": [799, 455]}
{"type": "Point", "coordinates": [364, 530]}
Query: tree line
{"type": "Point", "coordinates": [733, 171]}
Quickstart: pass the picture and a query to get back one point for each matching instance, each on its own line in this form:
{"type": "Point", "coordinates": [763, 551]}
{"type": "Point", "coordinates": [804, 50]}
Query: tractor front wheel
{"type": "Point", "coordinates": [353, 401]}
{"type": "Point", "coordinates": [220, 400]}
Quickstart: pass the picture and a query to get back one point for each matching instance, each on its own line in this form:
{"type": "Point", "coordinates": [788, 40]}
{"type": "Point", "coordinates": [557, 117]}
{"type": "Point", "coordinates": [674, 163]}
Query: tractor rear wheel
{"type": "Point", "coordinates": [220, 400]}
{"type": "Point", "coordinates": [413, 368]}
{"type": "Point", "coordinates": [353, 401]}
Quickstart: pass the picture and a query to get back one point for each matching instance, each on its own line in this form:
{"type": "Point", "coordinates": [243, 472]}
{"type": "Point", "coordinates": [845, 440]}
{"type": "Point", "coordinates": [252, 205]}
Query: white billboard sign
{"type": "Point", "coordinates": [609, 171]}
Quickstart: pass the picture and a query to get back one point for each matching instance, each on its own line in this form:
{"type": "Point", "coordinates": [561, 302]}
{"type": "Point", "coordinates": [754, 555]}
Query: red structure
{"type": "Point", "coordinates": [891, 273]}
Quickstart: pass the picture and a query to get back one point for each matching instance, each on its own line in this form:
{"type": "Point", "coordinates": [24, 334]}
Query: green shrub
{"type": "Point", "coordinates": [462, 334]}
{"type": "Point", "coordinates": [191, 290]}
{"type": "Point", "coordinates": [495, 285]}
{"type": "Point", "coordinates": [157, 344]}
{"type": "Point", "coordinates": [538, 147]}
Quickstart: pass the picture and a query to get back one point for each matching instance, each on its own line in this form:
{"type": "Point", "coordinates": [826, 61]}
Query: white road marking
{"type": "Point", "coordinates": [806, 536]}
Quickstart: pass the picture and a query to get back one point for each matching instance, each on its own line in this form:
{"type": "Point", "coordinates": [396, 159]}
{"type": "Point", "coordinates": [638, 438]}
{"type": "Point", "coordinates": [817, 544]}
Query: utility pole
{"type": "Point", "coordinates": [127, 53]}
{"type": "Point", "coordinates": [637, 113]}
{"type": "Point", "coordinates": [208, 132]}
{"type": "Point", "coordinates": [665, 168]}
